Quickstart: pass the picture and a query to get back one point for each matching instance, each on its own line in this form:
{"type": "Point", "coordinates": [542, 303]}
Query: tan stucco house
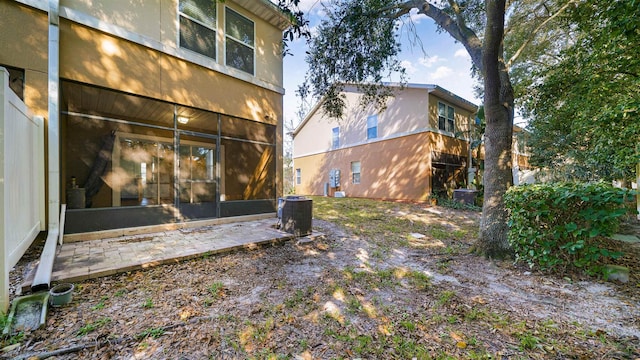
{"type": "Point", "coordinates": [417, 146]}
{"type": "Point", "coordinates": [156, 112]}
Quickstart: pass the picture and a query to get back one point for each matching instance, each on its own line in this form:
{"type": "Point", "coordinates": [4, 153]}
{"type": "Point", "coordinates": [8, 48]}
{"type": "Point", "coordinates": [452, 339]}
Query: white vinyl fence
{"type": "Point", "coordinates": [21, 181]}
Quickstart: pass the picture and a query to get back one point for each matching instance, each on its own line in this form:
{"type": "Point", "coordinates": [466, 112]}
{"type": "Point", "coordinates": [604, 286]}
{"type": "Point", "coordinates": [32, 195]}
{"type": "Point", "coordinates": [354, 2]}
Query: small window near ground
{"type": "Point", "coordinates": [335, 138]}
{"type": "Point", "coordinates": [239, 42]}
{"type": "Point", "coordinates": [298, 176]}
{"type": "Point", "coordinates": [198, 26]}
{"type": "Point", "coordinates": [372, 127]}
{"type": "Point", "coordinates": [446, 118]}
{"type": "Point", "coordinates": [355, 172]}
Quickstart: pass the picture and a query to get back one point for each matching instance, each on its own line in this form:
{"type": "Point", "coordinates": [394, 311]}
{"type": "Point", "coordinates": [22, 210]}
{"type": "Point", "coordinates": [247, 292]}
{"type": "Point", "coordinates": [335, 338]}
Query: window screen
{"type": "Point", "coordinates": [239, 41]}
{"type": "Point", "coordinates": [198, 26]}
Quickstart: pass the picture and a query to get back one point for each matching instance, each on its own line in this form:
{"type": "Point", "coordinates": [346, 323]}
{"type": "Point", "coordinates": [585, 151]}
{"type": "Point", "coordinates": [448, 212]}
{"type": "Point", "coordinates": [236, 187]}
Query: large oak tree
{"type": "Point", "coordinates": [358, 43]}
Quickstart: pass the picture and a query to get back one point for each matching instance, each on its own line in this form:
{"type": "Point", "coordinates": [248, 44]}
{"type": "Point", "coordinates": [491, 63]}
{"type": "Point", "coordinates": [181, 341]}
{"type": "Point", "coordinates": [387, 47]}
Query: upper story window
{"type": "Point", "coordinates": [372, 127]}
{"type": "Point", "coordinates": [198, 26]}
{"type": "Point", "coordinates": [335, 138]}
{"type": "Point", "coordinates": [446, 118]}
{"type": "Point", "coordinates": [239, 42]}
{"type": "Point", "coordinates": [298, 176]}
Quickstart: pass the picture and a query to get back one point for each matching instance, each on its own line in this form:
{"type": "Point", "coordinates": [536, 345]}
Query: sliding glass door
{"type": "Point", "coordinates": [197, 179]}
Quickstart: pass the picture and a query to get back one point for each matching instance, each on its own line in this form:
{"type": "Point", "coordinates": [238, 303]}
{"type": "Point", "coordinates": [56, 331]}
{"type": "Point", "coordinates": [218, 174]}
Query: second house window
{"type": "Point", "coordinates": [372, 127]}
{"type": "Point", "coordinates": [239, 42]}
{"type": "Point", "coordinates": [446, 118]}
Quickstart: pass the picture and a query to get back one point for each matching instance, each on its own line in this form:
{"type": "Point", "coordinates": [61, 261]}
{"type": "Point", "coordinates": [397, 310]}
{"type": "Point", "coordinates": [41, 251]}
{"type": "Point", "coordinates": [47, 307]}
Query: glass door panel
{"type": "Point", "coordinates": [145, 167]}
{"type": "Point", "coordinates": [197, 180]}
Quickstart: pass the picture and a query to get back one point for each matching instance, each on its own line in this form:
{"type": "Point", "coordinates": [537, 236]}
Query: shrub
{"type": "Point", "coordinates": [560, 226]}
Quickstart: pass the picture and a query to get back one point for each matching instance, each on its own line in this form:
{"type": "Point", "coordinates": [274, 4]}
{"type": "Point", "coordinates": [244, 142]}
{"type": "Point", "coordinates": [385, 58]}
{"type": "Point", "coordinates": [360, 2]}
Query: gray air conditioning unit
{"type": "Point", "coordinates": [295, 214]}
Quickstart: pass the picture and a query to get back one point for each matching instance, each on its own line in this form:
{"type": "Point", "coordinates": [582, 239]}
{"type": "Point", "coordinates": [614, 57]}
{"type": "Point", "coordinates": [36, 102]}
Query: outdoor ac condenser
{"type": "Point", "coordinates": [296, 215]}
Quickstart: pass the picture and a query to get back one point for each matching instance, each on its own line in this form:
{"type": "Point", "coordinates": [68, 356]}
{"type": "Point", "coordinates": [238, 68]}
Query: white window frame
{"type": "Point", "coordinates": [215, 31]}
{"type": "Point", "coordinates": [356, 176]}
{"type": "Point", "coordinates": [447, 120]}
{"type": "Point", "coordinates": [370, 120]}
{"type": "Point", "coordinates": [227, 36]}
{"type": "Point", "coordinates": [335, 137]}
{"type": "Point", "coordinates": [298, 176]}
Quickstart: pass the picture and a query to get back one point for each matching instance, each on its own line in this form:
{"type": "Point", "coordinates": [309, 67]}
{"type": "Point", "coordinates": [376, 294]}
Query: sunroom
{"type": "Point", "coordinates": [130, 161]}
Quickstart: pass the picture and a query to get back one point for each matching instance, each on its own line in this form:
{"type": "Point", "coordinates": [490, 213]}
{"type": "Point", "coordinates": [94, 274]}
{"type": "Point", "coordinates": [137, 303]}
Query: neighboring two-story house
{"type": "Point", "coordinates": [159, 111]}
{"type": "Point", "coordinates": [419, 145]}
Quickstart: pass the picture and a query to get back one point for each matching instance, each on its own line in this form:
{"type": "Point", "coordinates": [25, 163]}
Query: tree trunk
{"type": "Point", "coordinates": [498, 107]}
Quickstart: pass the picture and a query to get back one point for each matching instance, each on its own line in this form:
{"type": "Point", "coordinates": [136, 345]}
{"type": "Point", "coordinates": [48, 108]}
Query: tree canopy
{"type": "Point", "coordinates": [584, 103]}
{"type": "Point", "coordinates": [358, 43]}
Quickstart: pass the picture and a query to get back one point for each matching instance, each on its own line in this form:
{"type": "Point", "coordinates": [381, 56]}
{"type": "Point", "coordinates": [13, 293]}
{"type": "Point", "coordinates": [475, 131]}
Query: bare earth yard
{"type": "Point", "coordinates": [388, 281]}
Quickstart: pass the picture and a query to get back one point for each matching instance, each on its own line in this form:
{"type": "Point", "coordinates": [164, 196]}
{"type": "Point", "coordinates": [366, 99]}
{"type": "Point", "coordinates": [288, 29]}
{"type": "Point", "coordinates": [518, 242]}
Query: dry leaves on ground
{"type": "Point", "coordinates": [356, 293]}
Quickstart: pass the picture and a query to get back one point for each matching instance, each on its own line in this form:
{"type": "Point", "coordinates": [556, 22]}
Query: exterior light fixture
{"type": "Point", "coordinates": [183, 120]}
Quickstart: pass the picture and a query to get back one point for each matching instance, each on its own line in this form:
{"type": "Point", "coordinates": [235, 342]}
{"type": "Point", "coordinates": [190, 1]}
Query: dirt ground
{"type": "Point", "coordinates": [347, 295]}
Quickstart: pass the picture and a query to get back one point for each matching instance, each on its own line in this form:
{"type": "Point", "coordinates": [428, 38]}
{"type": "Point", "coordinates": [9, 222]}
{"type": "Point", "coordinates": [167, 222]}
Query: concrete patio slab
{"type": "Point", "coordinates": [82, 260]}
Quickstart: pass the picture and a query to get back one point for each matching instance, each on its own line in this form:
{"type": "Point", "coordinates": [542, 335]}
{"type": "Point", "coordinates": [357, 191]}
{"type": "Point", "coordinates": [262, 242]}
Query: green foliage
{"type": "Point", "coordinates": [357, 43]}
{"type": "Point", "coordinates": [559, 226]}
{"type": "Point", "coordinates": [216, 289]}
{"type": "Point", "coordinates": [152, 332]}
{"type": "Point", "coordinates": [148, 303]}
{"type": "Point", "coordinates": [584, 105]}
{"type": "Point", "coordinates": [93, 326]}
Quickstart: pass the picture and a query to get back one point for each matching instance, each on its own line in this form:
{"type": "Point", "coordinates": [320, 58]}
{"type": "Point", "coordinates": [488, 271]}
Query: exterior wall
{"type": "Point", "coordinates": [405, 114]}
{"type": "Point", "coordinates": [134, 49]}
{"type": "Point", "coordinates": [117, 64]}
{"type": "Point", "coordinates": [157, 20]}
{"type": "Point", "coordinates": [384, 174]}
{"type": "Point", "coordinates": [25, 46]}
{"type": "Point", "coordinates": [396, 164]}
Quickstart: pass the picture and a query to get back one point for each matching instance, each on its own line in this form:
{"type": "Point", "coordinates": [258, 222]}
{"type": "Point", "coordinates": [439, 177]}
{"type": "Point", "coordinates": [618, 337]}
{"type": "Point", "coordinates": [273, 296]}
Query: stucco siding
{"type": "Point", "coordinates": [154, 19]}
{"type": "Point", "coordinates": [25, 47]}
{"type": "Point", "coordinates": [119, 64]}
{"type": "Point", "coordinates": [391, 169]}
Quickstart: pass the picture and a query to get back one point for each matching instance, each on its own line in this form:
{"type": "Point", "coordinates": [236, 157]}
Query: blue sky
{"type": "Point", "coordinates": [443, 62]}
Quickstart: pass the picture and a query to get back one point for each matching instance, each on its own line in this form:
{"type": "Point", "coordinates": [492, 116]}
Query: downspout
{"type": "Point", "coordinates": [42, 278]}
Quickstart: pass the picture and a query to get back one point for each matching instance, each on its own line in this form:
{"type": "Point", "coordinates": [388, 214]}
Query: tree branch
{"type": "Point", "coordinates": [457, 29]}
{"type": "Point", "coordinates": [534, 32]}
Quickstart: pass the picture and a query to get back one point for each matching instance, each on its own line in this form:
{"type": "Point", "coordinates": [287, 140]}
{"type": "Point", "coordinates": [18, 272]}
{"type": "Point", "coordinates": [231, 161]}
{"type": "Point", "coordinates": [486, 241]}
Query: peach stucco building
{"type": "Point", "coordinates": [417, 146]}
{"type": "Point", "coordinates": [156, 112]}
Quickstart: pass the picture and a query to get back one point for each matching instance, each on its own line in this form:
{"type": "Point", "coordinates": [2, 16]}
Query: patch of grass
{"type": "Point", "coordinates": [419, 280]}
{"type": "Point", "coordinates": [297, 298]}
{"type": "Point", "coordinates": [407, 324]}
{"type": "Point", "coordinates": [528, 341]}
{"type": "Point", "coordinates": [452, 319]}
{"type": "Point", "coordinates": [216, 290]}
{"type": "Point", "coordinates": [479, 355]}
{"type": "Point", "coordinates": [475, 314]}
{"type": "Point", "coordinates": [148, 303]}
{"type": "Point", "coordinates": [93, 326]}
{"type": "Point", "coordinates": [440, 233]}
{"type": "Point", "coordinates": [152, 332]}
{"type": "Point", "coordinates": [304, 344]}
{"type": "Point", "coordinates": [120, 293]}
{"type": "Point", "coordinates": [256, 334]}
{"type": "Point", "coordinates": [353, 305]}
{"type": "Point", "coordinates": [12, 338]}
{"type": "Point", "coordinates": [445, 297]}
{"type": "Point", "coordinates": [101, 304]}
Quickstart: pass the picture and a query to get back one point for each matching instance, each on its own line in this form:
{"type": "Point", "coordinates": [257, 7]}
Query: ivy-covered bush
{"type": "Point", "coordinates": [560, 226]}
